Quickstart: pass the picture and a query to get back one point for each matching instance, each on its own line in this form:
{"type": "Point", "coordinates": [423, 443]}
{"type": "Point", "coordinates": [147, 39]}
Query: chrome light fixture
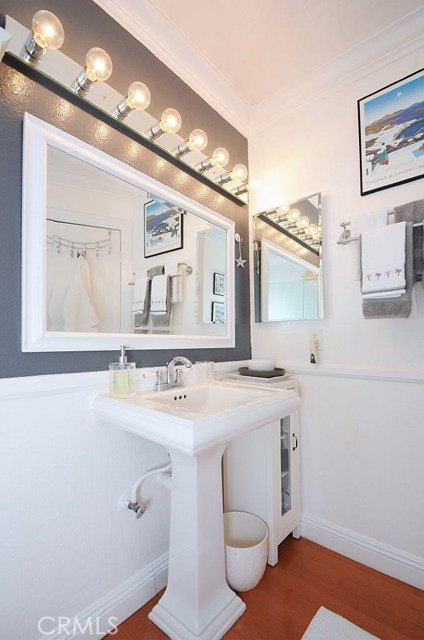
{"type": "Point", "coordinates": [219, 158]}
{"type": "Point", "coordinates": [137, 98]}
{"type": "Point", "coordinates": [98, 68]}
{"type": "Point", "coordinates": [170, 122]}
{"type": "Point", "coordinates": [239, 172]}
{"type": "Point", "coordinates": [197, 141]}
{"type": "Point", "coordinates": [47, 33]}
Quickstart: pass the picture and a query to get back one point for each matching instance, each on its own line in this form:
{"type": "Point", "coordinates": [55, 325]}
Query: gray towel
{"type": "Point", "coordinates": [395, 307]}
{"type": "Point", "coordinates": [141, 318]}
{"type": "Point", "coordinates": [414, 212]}
{"type": "Point", "coordinates": [164, 321]}
{"type": "Point", "coordinates": [156, 271]}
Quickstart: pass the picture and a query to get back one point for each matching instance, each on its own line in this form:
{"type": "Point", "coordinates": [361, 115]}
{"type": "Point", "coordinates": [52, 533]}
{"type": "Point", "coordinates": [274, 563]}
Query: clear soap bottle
{"type": "Point", "coordinates": [122, 377]}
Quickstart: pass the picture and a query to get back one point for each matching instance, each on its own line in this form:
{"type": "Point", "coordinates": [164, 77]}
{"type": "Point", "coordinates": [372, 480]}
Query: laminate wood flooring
{"type": "Point", "coordinates": [307, 577]}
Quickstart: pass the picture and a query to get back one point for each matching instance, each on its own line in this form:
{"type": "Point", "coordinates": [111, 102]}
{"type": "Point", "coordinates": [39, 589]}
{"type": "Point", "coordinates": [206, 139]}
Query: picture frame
{"type": "Point", "coordinates": [391, 134]}
{"type": "Point", "coordinates": [218, 312]}
{"type": "Point", "coordinates": [163, 229]}
{"type": "Point", "coordinates": [218, 284]}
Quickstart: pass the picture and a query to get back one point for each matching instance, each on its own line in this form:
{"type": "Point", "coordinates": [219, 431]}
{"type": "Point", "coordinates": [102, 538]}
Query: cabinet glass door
{"type": "Point", "coordinates": [286, 483]}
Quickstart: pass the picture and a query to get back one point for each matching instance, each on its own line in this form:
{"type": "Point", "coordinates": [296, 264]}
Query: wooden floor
{"type": "Point", "coordinates": [307, 577]}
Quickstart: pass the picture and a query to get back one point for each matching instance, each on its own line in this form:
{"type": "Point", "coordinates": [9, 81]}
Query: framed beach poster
{"type": "Point", "coordinates": [218, 312]}
{"type": "Point", "coordinates": [391, 134]}
{"type": "Point", "coordinates": [163, 229]}
{"type": "Point", "coordinates": [218, 284]}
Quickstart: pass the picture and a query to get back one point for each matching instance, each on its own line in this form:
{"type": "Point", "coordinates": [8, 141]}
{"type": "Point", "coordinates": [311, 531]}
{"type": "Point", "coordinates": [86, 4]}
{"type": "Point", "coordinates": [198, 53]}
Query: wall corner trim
{"type": "Point", "coordinates": [393, 562]}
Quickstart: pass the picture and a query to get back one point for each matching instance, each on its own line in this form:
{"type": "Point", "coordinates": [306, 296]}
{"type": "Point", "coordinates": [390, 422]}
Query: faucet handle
{"type": "Point", "coordinates": [179, 377]}
{"type": "Point", "coordinates": [159, 380]}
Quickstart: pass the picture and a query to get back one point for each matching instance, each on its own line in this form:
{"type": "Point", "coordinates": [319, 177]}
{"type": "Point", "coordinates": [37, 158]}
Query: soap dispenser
{"type": "Point", "coordinates": [122, 377]}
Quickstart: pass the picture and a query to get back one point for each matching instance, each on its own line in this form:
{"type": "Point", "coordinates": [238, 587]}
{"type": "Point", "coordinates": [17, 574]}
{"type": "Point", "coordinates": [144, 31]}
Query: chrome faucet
{"type": "Point", "coordinates": [173, 374]}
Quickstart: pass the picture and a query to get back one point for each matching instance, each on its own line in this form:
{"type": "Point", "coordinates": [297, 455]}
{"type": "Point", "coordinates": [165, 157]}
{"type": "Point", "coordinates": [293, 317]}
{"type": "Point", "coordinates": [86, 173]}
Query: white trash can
{"type": "Point", "coordinates": [246, 549]}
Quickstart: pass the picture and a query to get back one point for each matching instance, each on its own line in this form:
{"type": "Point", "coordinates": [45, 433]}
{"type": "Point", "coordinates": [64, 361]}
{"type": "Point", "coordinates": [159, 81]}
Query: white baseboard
{"type": "Point", "coordinates": [377, 555]}
{"type": "Point", "coordinates": [102, 616]}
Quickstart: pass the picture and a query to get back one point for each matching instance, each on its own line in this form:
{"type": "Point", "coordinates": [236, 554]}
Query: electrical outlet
{"type": "Point", "coordinates": [317, 334]}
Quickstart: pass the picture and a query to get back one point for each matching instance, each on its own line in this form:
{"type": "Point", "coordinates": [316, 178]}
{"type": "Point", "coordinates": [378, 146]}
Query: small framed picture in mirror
{"type": "Point", "coordinates": [219, 284]}
{"type": "Point", "coordinates": [218, 312]}
{"type": "Point", "coordinates": [163, 229]}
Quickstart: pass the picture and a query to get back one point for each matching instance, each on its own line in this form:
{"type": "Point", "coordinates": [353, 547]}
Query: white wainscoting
{"type": "Point", "coordinates": [373, 553]}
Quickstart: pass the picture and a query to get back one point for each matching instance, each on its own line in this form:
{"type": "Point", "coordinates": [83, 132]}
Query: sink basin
{"type": "Point", "coordinates": [195, 424]}
{"type": "Point", "coordinates": [195, 418]}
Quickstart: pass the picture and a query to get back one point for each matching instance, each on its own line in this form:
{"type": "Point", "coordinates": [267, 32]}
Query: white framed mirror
{"type": "Point", "coordinates": [111, 256]}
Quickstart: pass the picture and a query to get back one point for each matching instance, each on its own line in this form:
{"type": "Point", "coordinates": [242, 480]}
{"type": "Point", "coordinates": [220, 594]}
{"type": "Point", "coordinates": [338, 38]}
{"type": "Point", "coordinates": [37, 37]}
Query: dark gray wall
{"type": "Point", "coordinates": [86, 25]}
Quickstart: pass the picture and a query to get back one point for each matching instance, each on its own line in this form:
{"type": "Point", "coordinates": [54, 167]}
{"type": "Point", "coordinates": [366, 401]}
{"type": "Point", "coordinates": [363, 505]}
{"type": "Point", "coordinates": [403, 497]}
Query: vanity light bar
{"type": "Point", "coordinates": [47, 33]}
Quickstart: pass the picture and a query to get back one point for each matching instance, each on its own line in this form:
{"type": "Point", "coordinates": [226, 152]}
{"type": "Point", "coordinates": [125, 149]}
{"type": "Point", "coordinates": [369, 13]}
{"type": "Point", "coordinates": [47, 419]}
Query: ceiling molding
{"type": "Point", "coordinates": [181, 56]}
{"type": "Point", "coordinates": [402, 38]}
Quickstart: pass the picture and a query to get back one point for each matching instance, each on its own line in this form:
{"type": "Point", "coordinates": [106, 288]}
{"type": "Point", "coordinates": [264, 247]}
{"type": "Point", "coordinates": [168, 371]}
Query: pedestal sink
{"type": "Point", "coordinates": [195, 424]}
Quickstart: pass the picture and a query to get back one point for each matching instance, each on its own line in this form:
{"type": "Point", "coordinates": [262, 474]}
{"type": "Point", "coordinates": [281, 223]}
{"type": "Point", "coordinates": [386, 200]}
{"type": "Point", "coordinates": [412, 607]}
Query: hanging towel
{"type": "Point", "coordinates": [78, 310]}
{"type": "Point", "coordinates": [139, 295]}
{"type": "Point", "coordinates": [176, 273]}
{"type": "Point", "coordinates": [401, 306]}
{"type": "Point", "coordinates": [141, 302]}
{"type": "Point", "coordinates": [383, 261]}
{"type": "Point", "coordinates": [414, 212]}
{"type": "Point", "coordinates": [159, 295]}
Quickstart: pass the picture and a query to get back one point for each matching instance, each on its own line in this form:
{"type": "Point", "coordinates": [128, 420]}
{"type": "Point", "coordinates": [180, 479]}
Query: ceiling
{"type": "Point", "coordinates": [252, 51]}
{"type": "Point", "coordinates": [261, 46]}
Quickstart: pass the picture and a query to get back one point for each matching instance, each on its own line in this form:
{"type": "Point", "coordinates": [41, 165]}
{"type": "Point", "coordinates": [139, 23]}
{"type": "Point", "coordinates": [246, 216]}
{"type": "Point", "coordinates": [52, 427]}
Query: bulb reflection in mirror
{"type": "Point", "coordinates": [98, 68]}
{"type": "Point", "coordinates": [47, 33]}
{"type": "Point", "coordinates": [303, 222]}
{"type": "Point", "coordinates": [137, 99]}
{"type": "Point", "coordinates": [294, 215]}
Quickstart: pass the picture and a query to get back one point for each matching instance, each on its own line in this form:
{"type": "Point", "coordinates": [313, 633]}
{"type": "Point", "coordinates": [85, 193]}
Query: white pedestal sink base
{"type": "Point", "coordinates": [197, 604]}
{"type": "Point", "coordinates": [217, 627]}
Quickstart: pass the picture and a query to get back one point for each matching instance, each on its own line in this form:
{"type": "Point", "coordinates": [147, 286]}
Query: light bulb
{"type": "Point", "coordinates": [303, 222]}
{"type": "Point", "coordinates": [294, 215]}
{"type": "Point", "coordinates": [138, 96]}
{"type": "Point", "coordinates": [47, 30]}
{"type": "Point", "coordinates": [47, 33]}
{"type": "Point", "coordinates": [170, 121]}
{"type": "Point", "coordinates": [98, 68]}
{"type": "Point", "coordinates": [197, 140]}
{"type": "Point", "coordinates": [98, 65]}
{"type": "Point", "coordinates": [239, 172]}
{"type": "Point", "coordinates": [283, 209]}
{"type": "Point", "coordinates": [312, 230]}
{"type": "Point", "coordinates": [220, 157]}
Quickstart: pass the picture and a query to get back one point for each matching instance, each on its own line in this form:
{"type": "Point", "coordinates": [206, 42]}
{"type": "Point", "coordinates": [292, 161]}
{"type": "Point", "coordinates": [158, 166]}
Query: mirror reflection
{"type": "Point", "coordinates": [288, 261]}
{"type": "Point", "coordinates": [122, 260]}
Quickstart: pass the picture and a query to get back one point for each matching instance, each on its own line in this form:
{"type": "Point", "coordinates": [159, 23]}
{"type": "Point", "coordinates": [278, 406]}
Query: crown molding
{"type": "Point", "coordinates": [401, 38]}
{"type": "Point", "coordinates": [181, 56]}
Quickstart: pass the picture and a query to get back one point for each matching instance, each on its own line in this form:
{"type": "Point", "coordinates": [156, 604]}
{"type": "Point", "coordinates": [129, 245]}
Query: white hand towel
{"type": "Point", "coordinates": [78, 310]}
{"type": "Point", "coordinates": [383, 261]}
{"type": "Point", "coordinates": [158, 296]}
{"type": "Point", "coordinates": [139, 295]}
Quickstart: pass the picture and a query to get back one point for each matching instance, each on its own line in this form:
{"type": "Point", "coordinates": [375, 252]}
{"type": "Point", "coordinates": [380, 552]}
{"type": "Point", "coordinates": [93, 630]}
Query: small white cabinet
{"type": "Point", "coordinates": [261, 475]}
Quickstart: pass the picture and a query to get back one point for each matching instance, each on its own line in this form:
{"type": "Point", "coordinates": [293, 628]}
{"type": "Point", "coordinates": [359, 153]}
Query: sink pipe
{"type": "Point", "coordinates": [134, 503]}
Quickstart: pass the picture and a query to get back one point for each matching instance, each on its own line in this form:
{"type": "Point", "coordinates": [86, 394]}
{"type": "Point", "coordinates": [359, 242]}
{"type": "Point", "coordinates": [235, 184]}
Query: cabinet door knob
{"type": "Point", "coordinates": [296, 441]}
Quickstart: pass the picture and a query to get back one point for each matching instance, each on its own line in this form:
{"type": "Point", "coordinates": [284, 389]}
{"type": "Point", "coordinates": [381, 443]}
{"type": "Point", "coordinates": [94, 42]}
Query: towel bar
{"type": "Point", "coordinates": [346, 234]}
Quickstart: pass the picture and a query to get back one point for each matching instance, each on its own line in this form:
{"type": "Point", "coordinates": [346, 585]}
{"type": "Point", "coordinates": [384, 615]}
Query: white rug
{"type": "Point", "coordinates": [326, 625]}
